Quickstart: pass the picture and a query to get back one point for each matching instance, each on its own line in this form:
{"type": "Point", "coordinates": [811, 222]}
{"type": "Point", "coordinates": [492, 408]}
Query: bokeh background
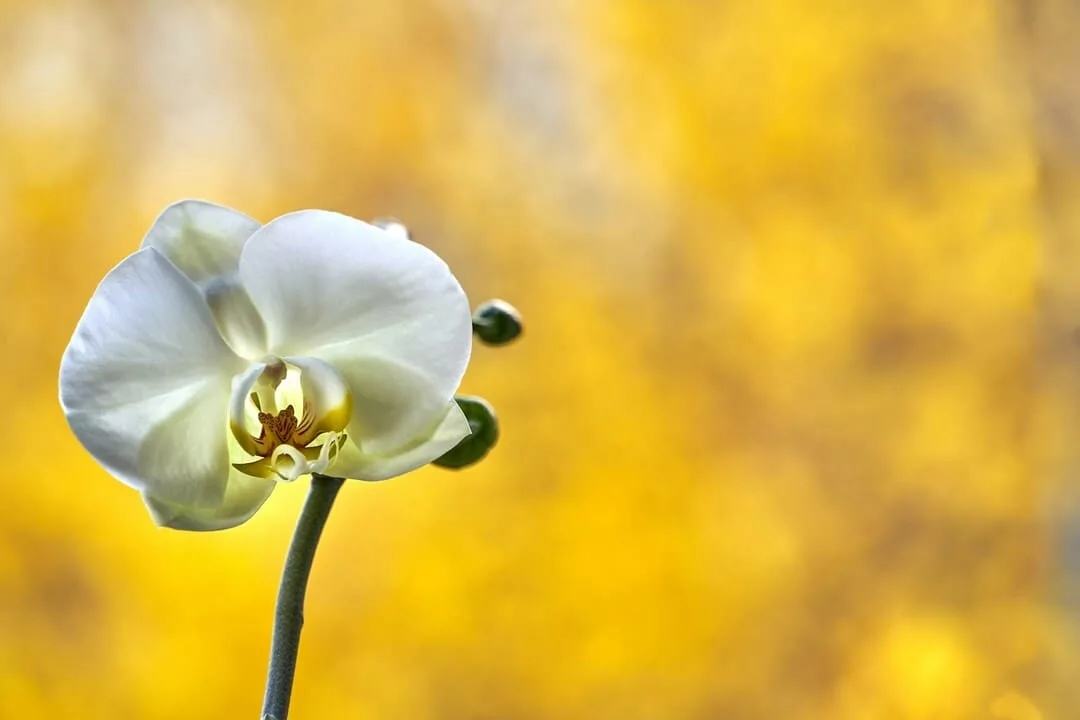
{"type": "Point", "coordinates": [793, 432]}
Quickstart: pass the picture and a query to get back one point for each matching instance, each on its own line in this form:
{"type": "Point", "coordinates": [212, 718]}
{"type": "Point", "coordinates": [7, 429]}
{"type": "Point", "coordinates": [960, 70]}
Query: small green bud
{"type": "Point", "coordinates": [393, 226]}
{"type": "Point", "coordinates": [485, 433]}
{"type": "Point", "coordinates": [496, 322]}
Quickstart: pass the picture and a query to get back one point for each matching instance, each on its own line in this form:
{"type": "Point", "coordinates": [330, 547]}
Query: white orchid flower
{"type": "Point", "coordinates": [224, 356]}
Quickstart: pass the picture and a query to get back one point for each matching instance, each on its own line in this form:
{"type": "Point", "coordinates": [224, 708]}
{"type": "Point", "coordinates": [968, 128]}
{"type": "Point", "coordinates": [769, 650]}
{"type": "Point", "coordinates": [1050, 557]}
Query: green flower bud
{"type": "Point", "coordinates": [485, 433]}
{"type": "Point", "coordinates": [496, 322]}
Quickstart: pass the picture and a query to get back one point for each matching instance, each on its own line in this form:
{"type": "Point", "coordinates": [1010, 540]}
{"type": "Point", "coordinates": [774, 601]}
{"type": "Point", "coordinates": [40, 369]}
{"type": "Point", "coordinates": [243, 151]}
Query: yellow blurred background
{"type": "Point", "coordinates": [793, 430]}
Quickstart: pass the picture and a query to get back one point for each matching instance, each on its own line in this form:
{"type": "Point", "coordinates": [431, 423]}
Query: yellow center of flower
{"type": "Point", "coordinates": [283, 428]}
{"type": "Point", "coordinates": [285, 445]}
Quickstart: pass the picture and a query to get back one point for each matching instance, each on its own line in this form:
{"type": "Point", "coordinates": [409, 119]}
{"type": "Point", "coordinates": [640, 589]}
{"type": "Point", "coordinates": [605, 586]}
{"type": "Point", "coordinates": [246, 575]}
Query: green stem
{"type": "Point", "coordinates": [289, 613]}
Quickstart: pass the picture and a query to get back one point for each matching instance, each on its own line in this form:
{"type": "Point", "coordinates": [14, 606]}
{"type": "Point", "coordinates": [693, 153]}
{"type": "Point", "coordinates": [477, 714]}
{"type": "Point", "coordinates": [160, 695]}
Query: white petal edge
{"type": "Point", "coordinates": [352, 463]}
{"type": "Point", "coordinates": [335, 288]}
{"type": "Point", "coordinates": [201, 238]}
{"type": "Point", "coordinates": [144, 382]}
{"type": "Point", "coordinates": [244, 495]}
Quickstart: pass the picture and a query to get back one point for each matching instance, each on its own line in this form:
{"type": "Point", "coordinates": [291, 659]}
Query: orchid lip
{"type": "Point", "coordinates": [265, 422]}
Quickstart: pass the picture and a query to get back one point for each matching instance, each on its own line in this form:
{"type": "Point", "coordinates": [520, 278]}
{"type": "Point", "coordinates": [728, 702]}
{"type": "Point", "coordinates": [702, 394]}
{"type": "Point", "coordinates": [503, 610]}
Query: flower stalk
{"type": "Point", "coordinates": [289, 612]}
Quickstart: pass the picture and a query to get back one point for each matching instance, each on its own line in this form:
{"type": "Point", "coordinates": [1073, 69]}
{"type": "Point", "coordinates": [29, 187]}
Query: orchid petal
{"type": "Point", "coordinates": [144, 382]}
{"type": "Point", "coordinates": [373, 305]}
{"type": "Point", "coordinates": [244, 495]}
{"type": "Point", "coordinates": [204, 241]}
{"type": "Point", "coordinates": [392, 404]}
{"type": "Point", "coordinates": [201, 238]}
{"type": "Point", "coordinates": [353, 463]}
